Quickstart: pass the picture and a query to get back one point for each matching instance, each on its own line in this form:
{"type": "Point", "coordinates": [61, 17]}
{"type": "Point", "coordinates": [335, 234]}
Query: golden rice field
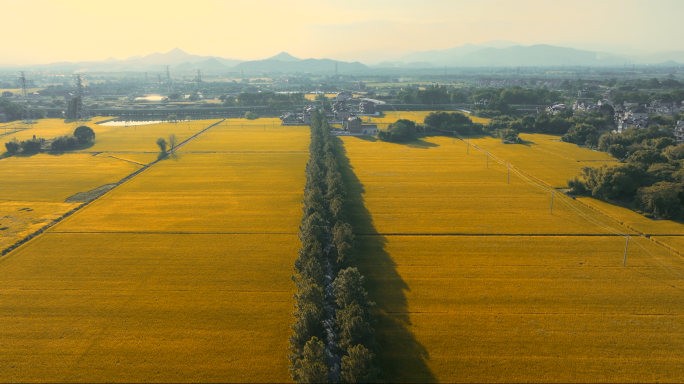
{"type": "Point", "coordinates": [633, 220]}
{"type": "Point", "coordinates": [180, 274]}
{"type": "Point", "coordinates": [205, 193]}
{"type": "Point", "coordinates": [143, 137]}
{"type": "Point", "coordinates": [234, 135]}
{"type": "Point", "coordinates": [434, 186]}
{"type": "Point", "coordinates": [522, 309]}
{"type": "Point", "coordinates": [34, 188]}
{"type": "Point", "coordinates": [53, 178]}
{"type": "Point", "coordinates": [46, 129]}
{"type": "Point", "coordinates": [313, 97]}
{"type": "Point", "coordinates": [675, 243]}
{"type": "Point", "coordinates": [130, 307]}
{"type": "Point", "coordinates": [551, 162]}
{"type": "Point", "coordinates": [462, 295]}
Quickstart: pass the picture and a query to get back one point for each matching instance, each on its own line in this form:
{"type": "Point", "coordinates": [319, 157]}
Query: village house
{"type": "Point", "coordinates": [344, 95]}
{"type": "Point", "coordinates": [340, 110]}
{"type": "Point", "coordinates": [7, 94]}
{"type": "Point", "coordinates": [354, 125]}
{"type": "Point", "coordinates": [630, 103]}
{"type": "Point", "coordinates": [639, 113]}
{"type": "Point", "coordinates": [366, 107]}
{"type": "Point", "coordinates": [585, 106]}
{"type": "Point", "coordinates": [555, 108]}
{"type": "Point", "coordinates": [679, 131]}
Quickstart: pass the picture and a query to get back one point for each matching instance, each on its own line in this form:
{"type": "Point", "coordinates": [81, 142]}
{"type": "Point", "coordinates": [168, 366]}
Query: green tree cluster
{"type": "Point", "coordinates": [651, 179]}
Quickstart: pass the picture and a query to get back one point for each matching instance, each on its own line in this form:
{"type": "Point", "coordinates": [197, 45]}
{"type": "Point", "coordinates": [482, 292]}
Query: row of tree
{"type": "Point", "coordinates": [82, 135]}
{"type": "Point", "coordinates": [333, 339]}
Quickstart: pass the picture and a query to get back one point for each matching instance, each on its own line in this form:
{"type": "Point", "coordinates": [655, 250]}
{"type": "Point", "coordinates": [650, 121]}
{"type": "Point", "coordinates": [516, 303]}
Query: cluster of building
{"type": "Point", "coordinates": [341, 114]}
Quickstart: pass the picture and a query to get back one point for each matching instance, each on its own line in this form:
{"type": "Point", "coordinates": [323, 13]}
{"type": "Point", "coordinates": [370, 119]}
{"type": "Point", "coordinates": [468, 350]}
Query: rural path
{"type": "Point", "coordinates": [125, 179]}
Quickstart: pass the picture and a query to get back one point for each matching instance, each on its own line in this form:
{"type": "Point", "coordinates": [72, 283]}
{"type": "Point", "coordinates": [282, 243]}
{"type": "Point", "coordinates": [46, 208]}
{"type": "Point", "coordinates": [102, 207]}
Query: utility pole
{"type": "Point", "coordinates": [509, 174]}
{"type": "Point", "coordinates": [552, 193]}
{"type": "Point", "coordinates": [624, 261]}
{"type": "Point", "coordinates": [159, 80]}
{"type": "Point", "coordinates": [468, 149]}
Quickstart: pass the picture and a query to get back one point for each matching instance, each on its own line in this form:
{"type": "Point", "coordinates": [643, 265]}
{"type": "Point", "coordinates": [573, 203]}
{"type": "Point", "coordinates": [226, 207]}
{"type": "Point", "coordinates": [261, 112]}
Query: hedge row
{"type": "Point", "coordinates": [333, 338]}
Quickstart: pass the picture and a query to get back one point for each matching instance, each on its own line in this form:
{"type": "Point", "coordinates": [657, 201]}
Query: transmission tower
{"type": "Point", "coordinates": [199, 79]}
{"type": "Point", "coordinates": [168, 77]}
{"type": "Point", "coordinates": [81, 112]}
{"type": "Point", "coordinates": [24, 84]}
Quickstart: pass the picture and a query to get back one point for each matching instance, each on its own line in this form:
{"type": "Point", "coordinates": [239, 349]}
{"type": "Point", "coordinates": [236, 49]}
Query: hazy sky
{"type": "Point", "coordinates": [42, 31]}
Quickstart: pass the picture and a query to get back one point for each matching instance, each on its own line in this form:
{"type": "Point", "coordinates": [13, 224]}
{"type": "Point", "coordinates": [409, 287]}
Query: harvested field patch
{"type": "Point", "coordinates": [85, 197]}
{"type": "Point", "coordinates": [226, 193]}
{"type": "Point", "coordinates": [166, 308]}
{"type": "Point", "coordinates": [18, 219]}
{"type": "Point", "coordinates": [53, 178]}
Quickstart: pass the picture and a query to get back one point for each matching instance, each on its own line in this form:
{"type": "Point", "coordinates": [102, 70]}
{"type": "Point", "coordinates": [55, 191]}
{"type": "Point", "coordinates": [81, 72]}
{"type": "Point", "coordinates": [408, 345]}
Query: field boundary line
{"type": "Point", "coordinates": [176, 233]}
{"type": "Point", "coordinates": [130, 161]}
{"type": "Point", "coordinates": [495, 234]}
{"type": "Point", "coordinates": [49, 225]}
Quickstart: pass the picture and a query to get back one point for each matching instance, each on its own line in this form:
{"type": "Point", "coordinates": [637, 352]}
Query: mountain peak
{"type": "Point", "coordinates": [177, 51]}
{"type": "Point", "coordinates": [284, 56]}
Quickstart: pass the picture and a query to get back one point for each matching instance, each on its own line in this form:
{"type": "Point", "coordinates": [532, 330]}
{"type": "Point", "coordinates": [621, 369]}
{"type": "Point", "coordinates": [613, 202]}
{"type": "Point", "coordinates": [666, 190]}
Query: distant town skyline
{"type": "Point", "coordinates": [46, 31]}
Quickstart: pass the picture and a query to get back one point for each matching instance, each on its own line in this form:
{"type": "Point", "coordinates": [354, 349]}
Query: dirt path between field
{"type": "Point", "coordinates": [125, 179]}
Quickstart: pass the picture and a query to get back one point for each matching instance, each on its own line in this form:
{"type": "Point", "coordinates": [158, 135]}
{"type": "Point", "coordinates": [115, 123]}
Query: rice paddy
{"type": "Point", "coordinates": [182, 273]}
{"type": "Point", "coordinates": [475, 280]}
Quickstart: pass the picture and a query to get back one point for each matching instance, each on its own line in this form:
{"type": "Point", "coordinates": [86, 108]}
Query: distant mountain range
{"type": "Point", "coordinates": [179, 60]}
{"type": "Point", "coordinates": [489, 54]}
{"type": "Point", "coordinates": [510, 54]}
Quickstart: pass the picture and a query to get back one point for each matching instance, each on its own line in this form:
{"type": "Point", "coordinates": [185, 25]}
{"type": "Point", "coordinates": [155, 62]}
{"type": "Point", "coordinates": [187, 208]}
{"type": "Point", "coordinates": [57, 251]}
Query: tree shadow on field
{"type": "Point", "coordinates": [402, 357]}
{"type": "Point", "coordinates": [416, 143]}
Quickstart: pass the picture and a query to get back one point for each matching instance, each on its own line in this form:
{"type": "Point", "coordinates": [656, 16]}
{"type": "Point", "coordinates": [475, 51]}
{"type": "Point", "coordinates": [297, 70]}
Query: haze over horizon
{"type": "Point", "coordinates": [362, 31]}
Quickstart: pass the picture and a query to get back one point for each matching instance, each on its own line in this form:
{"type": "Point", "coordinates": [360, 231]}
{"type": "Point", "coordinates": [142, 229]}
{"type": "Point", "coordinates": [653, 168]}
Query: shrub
{"type": "Point", "coordinates": [13, 146]}
{"type": "Point", "coordinates": [251, 116]}
{"type": "Point", "coordinates": [64, 143]}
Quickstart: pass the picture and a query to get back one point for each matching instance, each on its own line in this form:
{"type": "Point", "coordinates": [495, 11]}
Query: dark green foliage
{"type": "Point", "coordinates": [311, 367]}
{"type": "Point", "coordinates": [399, 131]}
{"type": "Point", "coordinates": [647, 157]}
{"type": "Point", "coordinates": [251, 115]}
{"type": "Point", "coordinates": [662, 199]}
{"type": "Point", "coordinates": [508, 136]}
{"type": "Point", "coordinates": [12, 110]}
{"type": "Point", "coordinates": [63, 143]}
{"type": "Point", "coordinates": [13, 146]}
{"type": "Point", "coordinates": [161, 142]}
{"type": "Point", "coordinates": [348, 288]}
{"type": "Point", "coordinates": [84, 134]}
{"type": "Point", "coordinates": [31, 146]}
{"type": "Point", "coordinates": [324, 203]}
{"type": "Point", "coordinates": [583, 134]}
{"type": "Point", "coordinates": [72, 109]}
{"type": "Point", "coordinates": [360, 366]}
{"type": "Point", "coordinates": [617, 150]}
